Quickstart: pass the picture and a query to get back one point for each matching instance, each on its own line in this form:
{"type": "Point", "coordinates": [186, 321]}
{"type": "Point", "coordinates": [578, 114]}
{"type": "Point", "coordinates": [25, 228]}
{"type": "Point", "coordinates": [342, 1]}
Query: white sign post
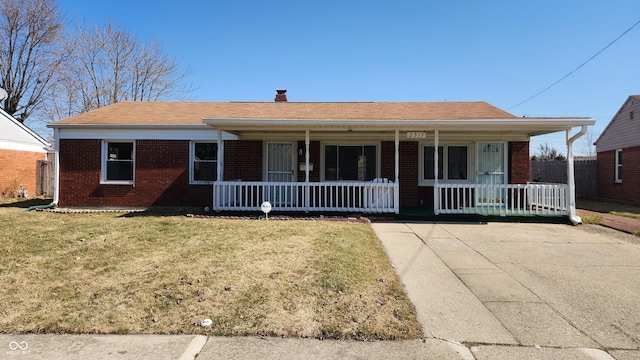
{"type": "Point", "coordinates": [266, 207]}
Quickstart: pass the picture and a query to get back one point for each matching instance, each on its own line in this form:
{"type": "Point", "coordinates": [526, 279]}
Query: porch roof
{"type": "Point", "coordinates": [246, 117]}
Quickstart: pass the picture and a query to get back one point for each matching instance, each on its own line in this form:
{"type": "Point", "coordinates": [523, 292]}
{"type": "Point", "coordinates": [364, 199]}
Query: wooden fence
{"type": "Point", "coordinates": [44, 178]}
{"type": "Point", "coordinates": [556, 172]}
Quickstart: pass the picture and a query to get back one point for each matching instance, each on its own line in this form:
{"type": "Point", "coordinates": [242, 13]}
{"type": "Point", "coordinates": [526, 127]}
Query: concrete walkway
{"type": "Point", "coordinates": [481, 291]}
{"type": "Point", "coordinates": [526, 291]}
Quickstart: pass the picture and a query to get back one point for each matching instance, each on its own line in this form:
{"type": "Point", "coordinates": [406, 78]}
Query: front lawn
{"type": "Point", "coordinates": [137, 274]}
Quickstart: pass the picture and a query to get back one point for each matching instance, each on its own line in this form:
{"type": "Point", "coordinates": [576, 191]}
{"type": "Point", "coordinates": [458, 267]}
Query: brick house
{"type": "Point", "coordinates": [620, 140]}
{"type": "Point", "coordinates": [20, 150]}
{"type": "Point", "coordinates": [318, 156]}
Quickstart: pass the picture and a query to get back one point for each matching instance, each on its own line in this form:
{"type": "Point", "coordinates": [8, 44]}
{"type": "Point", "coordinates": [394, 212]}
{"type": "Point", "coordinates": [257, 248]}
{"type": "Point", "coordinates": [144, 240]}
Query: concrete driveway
{"type": "Point", "coordinates": [509, 290]}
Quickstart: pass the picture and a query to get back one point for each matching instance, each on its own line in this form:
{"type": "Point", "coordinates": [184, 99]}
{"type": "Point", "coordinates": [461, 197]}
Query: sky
{"type": "Point", "coordinates": [498, 51]}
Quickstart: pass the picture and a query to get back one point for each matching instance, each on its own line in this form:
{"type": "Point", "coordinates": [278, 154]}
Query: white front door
{"type": "Point", "coordinates": [280, 170]}
{"type": "Point", "coordinates": [491, 164]}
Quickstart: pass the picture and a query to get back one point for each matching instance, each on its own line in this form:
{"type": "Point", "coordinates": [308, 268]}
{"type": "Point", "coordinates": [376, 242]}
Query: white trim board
{"type": "Point", "coordinates": [206, 133]}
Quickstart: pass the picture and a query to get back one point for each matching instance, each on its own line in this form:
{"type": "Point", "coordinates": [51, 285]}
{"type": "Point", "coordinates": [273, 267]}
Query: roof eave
{"type": "Point", "coordinates": [551, 124]}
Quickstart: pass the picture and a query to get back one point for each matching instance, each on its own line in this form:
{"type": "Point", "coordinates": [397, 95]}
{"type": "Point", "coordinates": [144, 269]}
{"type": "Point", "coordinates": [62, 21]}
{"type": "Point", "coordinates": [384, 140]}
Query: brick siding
{"type": "Point", "coordinates": [408, 166]}
{"type": "Point", "coordinates": [629, 188]}
{"type": "Point", "coordinates": [161, 176]}
{"type": "Point", "coordinates": [18, 168]}
{"type": "Point", "coordinates": [519, 162]}
{"type": "Point", "coordinates": [243, 160]}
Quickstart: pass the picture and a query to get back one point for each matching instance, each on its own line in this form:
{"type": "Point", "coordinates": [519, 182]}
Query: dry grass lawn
{"type": "Point", "coordinates": [124, 274]}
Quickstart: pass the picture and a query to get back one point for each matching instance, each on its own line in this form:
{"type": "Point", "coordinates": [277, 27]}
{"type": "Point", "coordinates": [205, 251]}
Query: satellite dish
{"type": "Point", "coordinates": [3, 94]}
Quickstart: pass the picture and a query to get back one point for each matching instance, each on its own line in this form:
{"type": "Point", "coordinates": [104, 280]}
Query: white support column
{"type": "Point", "coordinates": [220, 176]}
{"type": "Point", "coordinates": [436, 191]}
{"type": "Point", "coordinates": [56, 169]}
{"type": "Point", "coordinates": [396, 193]}
{"type": "Point", "coordinates": [217, 201]}
{"type": "Point", "coordinates": [571, 182]}
{"type": "Point", "coordinates": [306, 170]}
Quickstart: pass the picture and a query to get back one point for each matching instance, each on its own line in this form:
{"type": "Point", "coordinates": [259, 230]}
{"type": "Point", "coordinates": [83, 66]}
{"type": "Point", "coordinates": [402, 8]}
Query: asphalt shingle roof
{"type": "Point", "coordinates": [192, 113]}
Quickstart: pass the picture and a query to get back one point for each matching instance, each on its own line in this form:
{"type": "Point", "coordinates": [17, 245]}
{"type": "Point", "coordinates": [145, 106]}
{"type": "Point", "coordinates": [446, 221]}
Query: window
{"type": "Point", "coordinates": [118, 162]}
{"type": "Point", "coordinates": [204, 162]}
{"type": "Point", "coordinates": [618, 166]}
{"type": "Point", "coordinates": [428, 163]}
{"type": "Point", "coordinates": [452, 161]}
{"type": "Point", "coordinates": [631, 115]}
{"type": "Point", "coordinates": [349, 162]}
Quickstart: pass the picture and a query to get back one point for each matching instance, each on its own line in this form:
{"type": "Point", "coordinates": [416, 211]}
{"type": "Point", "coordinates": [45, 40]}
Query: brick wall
{"type": "Point", "coordinates": [243, 160]}
{"type": "Point", "coordinates": [519, 162]}
{"type": "Point", "coordinates": [629, 188]}
{"type": "Point", "coordinates": [161, 176]}
{"type": "Point", "coordinates": [408, 174]}
{"type": "Point", "coordinates": [18, 168]}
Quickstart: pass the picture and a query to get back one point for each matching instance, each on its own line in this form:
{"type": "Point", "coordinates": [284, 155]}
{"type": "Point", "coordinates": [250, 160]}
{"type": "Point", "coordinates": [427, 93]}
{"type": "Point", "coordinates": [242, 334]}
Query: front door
{"type": "Point", "coordinates": [280, 172]}
{"type": "Point", "coordinates": [491, 165]}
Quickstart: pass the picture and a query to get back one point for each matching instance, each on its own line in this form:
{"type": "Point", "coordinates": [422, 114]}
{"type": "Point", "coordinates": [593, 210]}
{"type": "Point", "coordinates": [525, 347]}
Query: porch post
{"type": "Point", "coordinates": [396, 189]}
{"type": "Point", "coordinates": [220, 171]}
{"type": "Point", "coordinates": [571, 183]}
{"type": "Point", "coordinates": [306, 170]}
{"type": "Point", "coordinates": [436, 191]}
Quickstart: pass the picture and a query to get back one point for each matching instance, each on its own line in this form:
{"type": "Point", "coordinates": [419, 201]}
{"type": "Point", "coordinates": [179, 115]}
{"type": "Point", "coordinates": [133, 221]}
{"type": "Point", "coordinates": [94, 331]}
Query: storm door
{"type": "Point", "coordinates": [491, 165]}
{"type": "Point", "coordinates": [280, 173]}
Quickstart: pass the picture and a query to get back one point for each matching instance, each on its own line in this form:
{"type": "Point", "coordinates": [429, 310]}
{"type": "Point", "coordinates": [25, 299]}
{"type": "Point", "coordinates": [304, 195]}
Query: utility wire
{"type": "Point", "coordinates": [578, 68]}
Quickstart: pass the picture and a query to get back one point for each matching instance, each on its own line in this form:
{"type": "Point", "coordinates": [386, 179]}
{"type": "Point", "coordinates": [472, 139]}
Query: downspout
{"type": "Point", "coordinates": [575, 219]}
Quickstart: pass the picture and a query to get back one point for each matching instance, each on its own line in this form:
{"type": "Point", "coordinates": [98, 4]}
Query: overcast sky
{"type": "Point", "coordinates": [502, 52]}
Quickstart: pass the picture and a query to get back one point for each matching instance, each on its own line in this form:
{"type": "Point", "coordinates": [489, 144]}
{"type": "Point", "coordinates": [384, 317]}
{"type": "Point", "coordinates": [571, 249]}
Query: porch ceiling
{"type": "Point", "coordinates": [514, 126]}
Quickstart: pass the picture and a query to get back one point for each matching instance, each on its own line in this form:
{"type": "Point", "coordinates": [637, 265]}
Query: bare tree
{"type": "Point", "coordinates": [108, 65]}
{"type": "Point", "coordinates": [547, 153]}
{"type": "Point", "coordinates": [29, 56]}
{"type": "Point", "coordinates": [588, 140]}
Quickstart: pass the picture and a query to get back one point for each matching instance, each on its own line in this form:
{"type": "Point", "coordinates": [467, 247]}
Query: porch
{"type": "Point", "coordinates": [382, 196]}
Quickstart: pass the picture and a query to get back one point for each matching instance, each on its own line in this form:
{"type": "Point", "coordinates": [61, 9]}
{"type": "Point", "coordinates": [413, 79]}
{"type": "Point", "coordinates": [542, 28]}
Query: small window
{"type": "Point", "coordinates": [452, 162]}
{"type": "Point", "coordinates": [118, 162]}
{"type": "Point", "coordinates": [618, 166]}
{"type": "Point", "coordinates": [204, 162]}
{"type": "Point", "coordinates": [427, 168]}
{"type": "Point", "coordinates": [631, 115]}
{"type": "Point", "coordinates": [349, 162]}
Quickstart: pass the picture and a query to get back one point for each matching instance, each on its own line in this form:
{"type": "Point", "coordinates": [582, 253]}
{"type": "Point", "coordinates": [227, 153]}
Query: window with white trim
{"type": "Point", "coordinates": [350, 162]}
{"type": "Point", "coordinates": [453, 161]}
{"type": "Point", "coordinates": [203, 162]}
{"type": "Point", "coordinates": [619, 165]}
{"type": "Point", "coordinates": [118, 162]}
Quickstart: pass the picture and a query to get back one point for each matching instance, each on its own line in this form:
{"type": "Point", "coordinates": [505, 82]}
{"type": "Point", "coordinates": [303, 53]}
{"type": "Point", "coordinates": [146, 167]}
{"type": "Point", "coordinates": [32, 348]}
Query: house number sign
{"type": "Point", "coordinates": [416, 135]}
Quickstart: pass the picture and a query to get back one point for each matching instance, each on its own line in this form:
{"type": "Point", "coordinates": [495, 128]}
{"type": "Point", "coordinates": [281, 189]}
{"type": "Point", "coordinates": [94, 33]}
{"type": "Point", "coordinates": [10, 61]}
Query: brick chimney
{"type": "Point", "coordinates": [281, 95]}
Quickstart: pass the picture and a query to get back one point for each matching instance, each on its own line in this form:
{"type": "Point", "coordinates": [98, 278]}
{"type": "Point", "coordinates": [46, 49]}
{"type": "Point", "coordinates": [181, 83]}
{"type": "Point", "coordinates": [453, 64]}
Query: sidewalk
{"type": "Point", "coordinates": [621, 223]}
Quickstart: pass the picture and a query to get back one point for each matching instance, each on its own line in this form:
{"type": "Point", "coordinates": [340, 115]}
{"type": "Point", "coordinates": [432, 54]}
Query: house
{"type": "Point", "coordinates": [20, 150]}
{"type": "Point", "coordinates": [620, 140]}
{"type": "Point", "coordinates": [376, 157]}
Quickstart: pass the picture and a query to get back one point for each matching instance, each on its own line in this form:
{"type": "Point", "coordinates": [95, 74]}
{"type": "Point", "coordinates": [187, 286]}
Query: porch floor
{"type": "Point", "coordinates": [426, 214]}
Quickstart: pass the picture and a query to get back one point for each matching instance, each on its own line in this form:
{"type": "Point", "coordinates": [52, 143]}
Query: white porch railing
{"type": "Point", "coordinates": [519, 199]}
{"type": "Point", "coordinates": [369, 197]}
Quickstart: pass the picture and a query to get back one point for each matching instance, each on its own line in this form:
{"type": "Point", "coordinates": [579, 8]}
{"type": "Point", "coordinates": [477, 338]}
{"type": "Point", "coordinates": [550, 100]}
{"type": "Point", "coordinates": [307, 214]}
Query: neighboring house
{"type": "Point", "coordinates": [20, 150]}
{"type": "Point", "coordinates": [315, 156]}
{"type": "Point", "coordinates": [618, 154]}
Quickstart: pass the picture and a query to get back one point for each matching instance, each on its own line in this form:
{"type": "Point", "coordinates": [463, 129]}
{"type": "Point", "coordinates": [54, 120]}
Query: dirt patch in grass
{"type": "Point", "coordinates": [107, 273]}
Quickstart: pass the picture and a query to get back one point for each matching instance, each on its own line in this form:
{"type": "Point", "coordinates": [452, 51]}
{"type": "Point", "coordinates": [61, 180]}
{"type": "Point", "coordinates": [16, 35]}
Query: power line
{"type": "Point", "coordinates": [578, 68]}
